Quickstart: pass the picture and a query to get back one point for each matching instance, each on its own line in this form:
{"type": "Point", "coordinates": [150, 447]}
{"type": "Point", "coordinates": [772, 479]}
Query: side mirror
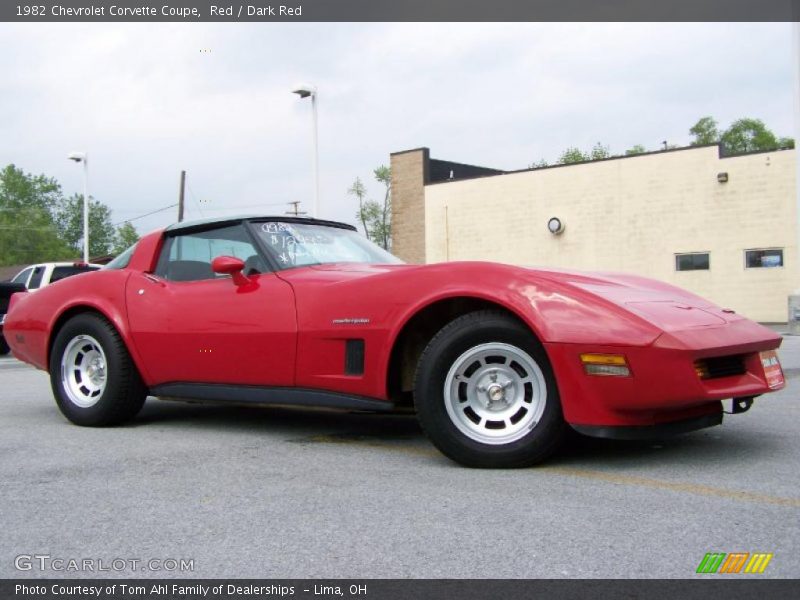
{"type": "Point", "coordinates": [230, 265]}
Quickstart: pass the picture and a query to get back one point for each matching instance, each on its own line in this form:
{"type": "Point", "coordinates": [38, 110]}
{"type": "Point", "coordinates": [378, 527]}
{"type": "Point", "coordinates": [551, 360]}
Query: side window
{"type": "Point", "coordinates": [36, 279]}
{"type": "Point", "coordinates": [23, 276]}
{"type": "Point", "coordinates": [693, 261]}
{"type": "Point", "coordinates": [188, 257]}
{"type": "Point", "coordinates": [123, 260]}
{"type": "Point", "coordinates": [761, 259]}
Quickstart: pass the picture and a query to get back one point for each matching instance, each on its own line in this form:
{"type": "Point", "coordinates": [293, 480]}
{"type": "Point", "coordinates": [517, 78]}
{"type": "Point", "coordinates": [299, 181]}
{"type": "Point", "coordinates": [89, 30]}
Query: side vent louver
{"type": "Point", "coordinates": [354, 357]}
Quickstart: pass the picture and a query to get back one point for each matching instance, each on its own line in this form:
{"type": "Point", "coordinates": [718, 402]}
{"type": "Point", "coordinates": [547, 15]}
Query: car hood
{"type": "Point", "coordinates": [661, 305]}
{"type": "Point", "coordinates": [668, 307]}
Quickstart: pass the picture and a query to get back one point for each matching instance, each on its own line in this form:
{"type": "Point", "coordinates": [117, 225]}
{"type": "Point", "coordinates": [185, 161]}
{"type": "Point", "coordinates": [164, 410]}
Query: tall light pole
{"type": "Point", "coordinates": [84, 158]}
{"type": "Point", "coordinates": [306, 91]}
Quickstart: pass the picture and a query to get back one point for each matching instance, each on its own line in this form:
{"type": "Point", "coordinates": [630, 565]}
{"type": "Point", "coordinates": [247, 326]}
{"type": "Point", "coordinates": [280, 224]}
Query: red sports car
{"type": "Point", "coordinates": [497, 360]}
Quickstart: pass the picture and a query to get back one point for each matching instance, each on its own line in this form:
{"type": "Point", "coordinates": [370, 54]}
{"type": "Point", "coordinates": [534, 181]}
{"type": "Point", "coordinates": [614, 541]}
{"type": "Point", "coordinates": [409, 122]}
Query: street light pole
{"type": "Point", "coordinates": [316, 154]}
{"type": "Point", "coordinates": [84, 158]}
{"type": "Point", "coordinates": [306, 91]}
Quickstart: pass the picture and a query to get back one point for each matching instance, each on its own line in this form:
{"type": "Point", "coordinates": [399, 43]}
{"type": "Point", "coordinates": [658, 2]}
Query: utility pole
{"type": "Point", "coordinates": [295, 210]}
{"type": "Point", "coordinates": [181, 196]}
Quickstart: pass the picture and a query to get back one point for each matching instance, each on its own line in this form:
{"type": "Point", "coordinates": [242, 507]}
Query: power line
{"type": "Point", "coordinates": [27, 228]}
{"type": "Point", "coordinates": [191, 193]}
{"type": "Point", "coordinates": [260, 205]}
{"type": "Point", "coordinates": [147, 214]}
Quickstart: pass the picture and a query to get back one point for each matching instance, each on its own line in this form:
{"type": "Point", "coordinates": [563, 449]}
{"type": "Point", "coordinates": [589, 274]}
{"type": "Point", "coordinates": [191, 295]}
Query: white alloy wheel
{"type": "Point", "coordinates": [84, 371]}
{"type": "Point", "coordinates": [495, 393]}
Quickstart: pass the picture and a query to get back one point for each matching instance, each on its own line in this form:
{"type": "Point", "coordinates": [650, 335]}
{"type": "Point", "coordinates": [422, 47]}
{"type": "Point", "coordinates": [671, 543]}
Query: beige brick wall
{"type": "Point", "coordinates": [634, 215]}
{"type": "Point", "coordinates": [409, 173]}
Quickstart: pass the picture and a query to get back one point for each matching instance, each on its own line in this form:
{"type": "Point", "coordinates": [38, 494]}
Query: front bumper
{"type": "Point", "coordinates": [664, 386]}
{"type": "Point", "coordinates": [650, 432]}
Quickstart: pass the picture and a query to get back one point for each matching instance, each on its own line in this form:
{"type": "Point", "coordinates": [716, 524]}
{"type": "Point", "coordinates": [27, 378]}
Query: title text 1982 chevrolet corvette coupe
{"type": "Point", "coordinates": [497, 359]}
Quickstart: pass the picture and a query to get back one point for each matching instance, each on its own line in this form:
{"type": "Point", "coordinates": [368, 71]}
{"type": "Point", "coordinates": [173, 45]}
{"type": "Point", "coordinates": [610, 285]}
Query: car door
{"type": "Point", "coordinates": [191, 325]}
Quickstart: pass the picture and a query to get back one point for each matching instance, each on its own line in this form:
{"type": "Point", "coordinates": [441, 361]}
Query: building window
{"type": "Point", "coordinates": [759, 259]}
{"type": "Point", "coordinates": [695, 261]}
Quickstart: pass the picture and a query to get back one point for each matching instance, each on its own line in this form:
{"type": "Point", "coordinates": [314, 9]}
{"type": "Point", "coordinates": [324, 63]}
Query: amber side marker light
{"type": "Point", "coordinates": [701, 368]}
{"type": "Point", "coordinates": [613, 365]}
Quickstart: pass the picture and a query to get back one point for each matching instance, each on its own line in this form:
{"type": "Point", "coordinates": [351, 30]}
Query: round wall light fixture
{"type": "Point", "coordinates": [555, 226]}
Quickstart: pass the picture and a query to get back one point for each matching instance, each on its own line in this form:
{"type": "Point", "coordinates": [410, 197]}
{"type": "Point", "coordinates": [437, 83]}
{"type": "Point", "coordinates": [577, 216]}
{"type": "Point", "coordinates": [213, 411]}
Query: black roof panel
{"type": "Point", "coordinates": [213, 221]}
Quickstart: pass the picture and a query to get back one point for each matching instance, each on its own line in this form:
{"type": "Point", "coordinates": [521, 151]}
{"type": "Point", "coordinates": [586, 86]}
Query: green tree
{"type": "Point", "coordinates": [359, 191]}
{"type": "Point", "coordinates": [125, 237]}
{"type": "Point", "coordinates": [28, 232]}
{"type": "Point", "coordinates": [572, 155]}
{"type": "Point", "coordinates": [705, 131]}
{"type": "Point", "coordinates": [786, 142]}
{"type": "Point", "coordinates": [748, 135]}
{"type": "Point", "coordinates": [382, 227]}
{"type": "Point", "coordinates": [20, 190]}
{"type": "Point", "coordinates": [539, 164]}
{"type": "Point", "coordinates": [375, 217]}
{"type": "Point", "coordinates": [69, 219]}
{"type": "Point", "coordinates": [634, 150]}
{"type": "Point", "coordinates": [599, 152]}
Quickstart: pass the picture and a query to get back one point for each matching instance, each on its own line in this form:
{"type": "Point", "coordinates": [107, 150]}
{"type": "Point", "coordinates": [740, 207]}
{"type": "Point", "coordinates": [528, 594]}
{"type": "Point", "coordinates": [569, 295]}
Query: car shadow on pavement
{"type": "Point", "coordinates": [712, 446]}
{"type": "Point", "coordinates": [401, 433]}
{"type": "Point", "coordinates": [280, 419]}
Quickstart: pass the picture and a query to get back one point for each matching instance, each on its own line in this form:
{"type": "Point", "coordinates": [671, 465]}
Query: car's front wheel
{"type": "Point", "coordinates": [485, 393]}
{"type": "Point", "coordinates": [94, 380]}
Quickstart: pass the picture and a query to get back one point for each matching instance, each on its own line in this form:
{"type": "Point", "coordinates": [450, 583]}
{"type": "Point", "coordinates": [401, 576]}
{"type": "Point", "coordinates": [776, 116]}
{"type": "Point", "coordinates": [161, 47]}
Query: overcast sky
{"type": "Point", "coordinates": [145, 102]}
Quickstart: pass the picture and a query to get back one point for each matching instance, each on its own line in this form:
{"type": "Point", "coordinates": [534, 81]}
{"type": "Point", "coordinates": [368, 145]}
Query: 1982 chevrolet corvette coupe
{"type": "Point", "coordinates": [498, 360]}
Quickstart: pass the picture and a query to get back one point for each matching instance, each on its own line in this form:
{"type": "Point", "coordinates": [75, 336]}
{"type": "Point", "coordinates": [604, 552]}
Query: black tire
{"type": "Point", "coordinates": [536, 439]}
{"type": "Point", "coordinates": [4, 349]}
{"type": "Point", "coordinates": [123, 392]}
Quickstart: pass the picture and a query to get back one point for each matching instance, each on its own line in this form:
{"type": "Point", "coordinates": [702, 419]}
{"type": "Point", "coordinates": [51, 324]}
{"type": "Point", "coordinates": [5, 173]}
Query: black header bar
{"type": "Point", "coordinates": [399, 10]}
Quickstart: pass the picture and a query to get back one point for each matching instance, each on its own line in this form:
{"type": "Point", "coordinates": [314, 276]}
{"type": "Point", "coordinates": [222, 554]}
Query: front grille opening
{"type": "Point", "coordinates": [720, 366]}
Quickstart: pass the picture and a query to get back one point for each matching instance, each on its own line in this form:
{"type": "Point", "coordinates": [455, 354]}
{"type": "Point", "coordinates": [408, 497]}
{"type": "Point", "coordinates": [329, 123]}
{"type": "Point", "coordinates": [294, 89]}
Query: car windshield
{"type": "Point", "coordinates": [301, 244]}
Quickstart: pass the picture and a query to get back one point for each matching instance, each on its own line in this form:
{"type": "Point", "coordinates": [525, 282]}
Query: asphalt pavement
{"type": "Point", "coordinates": [282, 493]}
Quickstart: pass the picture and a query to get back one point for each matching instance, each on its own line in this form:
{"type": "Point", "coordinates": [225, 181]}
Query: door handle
{"type": "Point", "coordinates": [153, 279]}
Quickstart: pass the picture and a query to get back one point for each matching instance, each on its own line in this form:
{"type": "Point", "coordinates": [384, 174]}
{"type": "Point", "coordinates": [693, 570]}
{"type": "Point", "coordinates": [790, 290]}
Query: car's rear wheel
{"type": "Point", "coordinates": [94, 380]}
{"type": "Point", "coordinates": [485, 393]}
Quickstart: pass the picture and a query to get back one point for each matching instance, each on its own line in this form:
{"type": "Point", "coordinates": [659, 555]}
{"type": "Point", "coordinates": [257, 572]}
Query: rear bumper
{"type": "Point", "coordinates": [664, 387]}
